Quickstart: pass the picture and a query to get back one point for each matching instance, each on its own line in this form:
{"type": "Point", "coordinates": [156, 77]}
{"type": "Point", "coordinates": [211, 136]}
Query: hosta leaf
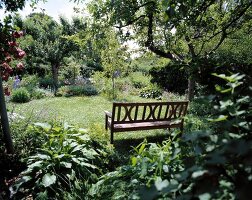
{"type": "Point", "coordinates": [160, 184]}
{"type": "Point", "coordinates": [37, 164]}
{"type": "Point", "coordinates": [66, 164]}
{"type": "Point", "coordinates": [43, 156]}
{"type": "Point", "coordinates": [88, 165]}
{"type": "Point", "coordinates": [197, 174]}
{"type": "Point", "coordinates": [82, 130]}
{"type": "Point", "coordinates": [48, 180]}
{"type": "Point", "coordinates": [45, 126]}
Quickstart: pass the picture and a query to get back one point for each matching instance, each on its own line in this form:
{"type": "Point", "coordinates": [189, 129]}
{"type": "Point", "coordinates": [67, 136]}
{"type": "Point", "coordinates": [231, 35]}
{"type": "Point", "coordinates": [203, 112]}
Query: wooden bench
{"type": "Point", "coordinates": [145, 116]}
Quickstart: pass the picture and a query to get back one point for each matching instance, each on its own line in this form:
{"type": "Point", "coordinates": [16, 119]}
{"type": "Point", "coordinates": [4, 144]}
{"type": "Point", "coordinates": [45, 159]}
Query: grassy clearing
{"type": "Point", "coordinates": [84, 112]}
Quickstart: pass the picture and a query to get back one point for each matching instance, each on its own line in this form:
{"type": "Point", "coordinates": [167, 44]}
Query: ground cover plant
{"type": "Point", "coordinates": [68, 157]}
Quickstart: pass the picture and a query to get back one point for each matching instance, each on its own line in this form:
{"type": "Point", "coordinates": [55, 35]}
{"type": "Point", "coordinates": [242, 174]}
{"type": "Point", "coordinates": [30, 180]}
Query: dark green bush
{"type": "Point", "coordinates": [46, 82]}
{"type": "Point", "coordinates": [89, 90]}
{"type": "Point", "coordinates": [172, 78]}
{"type": "Point", "coordinates": [20, 95]}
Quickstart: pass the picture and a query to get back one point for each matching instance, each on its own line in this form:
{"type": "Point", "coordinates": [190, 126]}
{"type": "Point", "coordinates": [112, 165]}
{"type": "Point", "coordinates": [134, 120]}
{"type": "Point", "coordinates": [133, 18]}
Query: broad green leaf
{"type": "Point", "coordinates": [205, 196]}
{"type": "Point", "coordinates": [48, 180]}
{"type": "Point", "coordinates": [220, 118]}
{"type": "Point", "coordinates": [66, 164]}
{"type": "Point", "coordinates": [134, 161]}
{"type": "Point", "coordinates": [160, 184]}
{"type": "Point", "coordinates": [57, 129]}
{"type": "Point", "coordinates": [43, 156]}
{"type": "Point", "coordinates": [198, 173]}
{"type": "Point", "coordinates": [37, 164]}
{"type": "Point", "coordinates": [45, 126]}
{"type": "Point", "coordinates": [141, 148]}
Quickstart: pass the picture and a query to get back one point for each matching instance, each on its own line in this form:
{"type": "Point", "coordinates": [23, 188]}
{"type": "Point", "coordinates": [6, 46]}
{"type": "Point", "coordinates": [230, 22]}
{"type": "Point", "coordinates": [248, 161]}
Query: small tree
{"type": "Point", "coordinates": [9, 50]}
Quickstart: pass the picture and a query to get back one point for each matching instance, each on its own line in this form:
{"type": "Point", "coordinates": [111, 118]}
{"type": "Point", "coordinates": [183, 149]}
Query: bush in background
{"type": "Point", "coordinates": [20, 95]}
{"type": "Point", "coordinates": [46, 82]}
{"type": "Point", "coordinates": [139, 80]}
{"type": "Point", "coordinates": [39, 93]}
{"type": "Point", "coordinates": [172, 77]}
{"type": "Point", "coordinates": [151, 91]}
{"type": "Point", "coordinates": [29, 82]}
{"type": "Point", "coordinates": [77, 90]}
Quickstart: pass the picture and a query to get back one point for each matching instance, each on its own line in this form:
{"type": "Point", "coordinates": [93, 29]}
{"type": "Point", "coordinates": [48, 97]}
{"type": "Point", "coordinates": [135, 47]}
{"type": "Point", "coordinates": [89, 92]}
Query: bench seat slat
{"type": "Point", "coordinates": [146, 126]}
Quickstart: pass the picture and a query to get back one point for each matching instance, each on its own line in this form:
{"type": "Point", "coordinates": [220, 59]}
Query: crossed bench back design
{"type": "Point", "coordinates": [144, 116]}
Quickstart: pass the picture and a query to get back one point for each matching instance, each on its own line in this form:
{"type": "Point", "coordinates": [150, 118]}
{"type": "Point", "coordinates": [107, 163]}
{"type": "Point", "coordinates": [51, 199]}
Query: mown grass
{"type": "Point", "coordinates": [86, 112]}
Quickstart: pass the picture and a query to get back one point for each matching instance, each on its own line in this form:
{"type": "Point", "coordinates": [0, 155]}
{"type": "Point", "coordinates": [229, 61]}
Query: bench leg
{"type": "Point", "coordinates": [111, 137]}
{"type": "Point", "coordinates": [106, 122]}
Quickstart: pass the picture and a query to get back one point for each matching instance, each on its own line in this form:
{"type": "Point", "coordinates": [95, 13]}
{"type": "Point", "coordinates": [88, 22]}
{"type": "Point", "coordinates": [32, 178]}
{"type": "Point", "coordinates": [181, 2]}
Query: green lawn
{"type": "Point", "coordinates": [81, 111]}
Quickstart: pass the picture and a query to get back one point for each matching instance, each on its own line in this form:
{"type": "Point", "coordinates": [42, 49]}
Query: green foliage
{"type": "Point", "coordinates": [20, 95]}
{"type": "Point", "coordinates": [139, 80]}
{"type": "Point", "coordinates": [150, 163]}
{"type": "Point", "coordinates": [29, 82]}
{"type": "Point", "coordinates": [67, 157]}
{"type": "Point", "coordinates": [26, 139]}
{"type": "Point", "coordinates": [151, 91]}
{"type": "Point", "coordinates": [77, 90]}
{"type": "Point", "coordinates": [39, 93]}
{"type": "Point", "coordinates": [90, 67]}
{"type": "Point", "coordinates": [172, 77]}
{"type": "Point", "coordinates": [208, 164]}
{"type": "Point", "coordinates": [46, 82]}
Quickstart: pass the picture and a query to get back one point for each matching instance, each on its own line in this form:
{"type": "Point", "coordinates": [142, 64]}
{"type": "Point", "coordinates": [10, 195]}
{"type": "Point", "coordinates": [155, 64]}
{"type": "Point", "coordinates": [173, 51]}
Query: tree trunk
{"type": "Point", "coordinates": [191, 86]}
{"type": "Point", "coordinates": [5, 121]}
{"type": "Point", "coordinates": [55, 73]}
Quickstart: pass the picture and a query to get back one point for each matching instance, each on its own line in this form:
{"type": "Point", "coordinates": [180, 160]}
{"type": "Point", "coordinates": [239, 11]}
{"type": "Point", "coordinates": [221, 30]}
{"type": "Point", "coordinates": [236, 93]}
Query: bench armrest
{"type": "Point", "coordinates": [107, 113]}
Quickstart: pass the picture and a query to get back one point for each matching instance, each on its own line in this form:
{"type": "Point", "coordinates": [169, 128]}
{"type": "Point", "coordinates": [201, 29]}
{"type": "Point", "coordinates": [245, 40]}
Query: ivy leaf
{"type": "Point", "coordinates": [48, 180]}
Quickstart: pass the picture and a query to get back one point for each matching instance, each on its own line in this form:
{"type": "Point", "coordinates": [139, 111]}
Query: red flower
{"type": "Point", "coordinates": [19, 53]}
{"type": "Point", "coordinates": [18, 34]}
{"type": "Point", "coordinates": [20, 66]}
{"type": "Point", "coordinates": [8, 59]}
{"type": "Point", "coordinates": [12, 44]}
{"type": "Point", "coordinates": [5, 77]}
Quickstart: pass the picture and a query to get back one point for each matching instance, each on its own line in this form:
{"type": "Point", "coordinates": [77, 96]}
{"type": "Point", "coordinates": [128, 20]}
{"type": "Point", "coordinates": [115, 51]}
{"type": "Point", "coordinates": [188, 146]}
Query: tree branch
{"type": "Point", "coordinates": [131, 22]}
{"type": "Point", "coordinates": [150, 41]}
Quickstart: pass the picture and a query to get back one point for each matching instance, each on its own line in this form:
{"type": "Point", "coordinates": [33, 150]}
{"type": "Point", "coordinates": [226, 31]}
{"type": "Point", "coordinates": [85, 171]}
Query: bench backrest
{"type": "Point", "coordinates": [148, 112]}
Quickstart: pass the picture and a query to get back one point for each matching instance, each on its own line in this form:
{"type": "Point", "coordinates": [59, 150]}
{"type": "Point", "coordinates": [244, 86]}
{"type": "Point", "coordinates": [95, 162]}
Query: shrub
{"type": "Point", "coordinates": [29, 82]}
{"type": "Point", "coordinates": [20, 95]}
{"type": "Point", "coordinates": [77, 90]}
{"type": "Point", "coordinates": [150, 163]}
{"type": "Point", "coordinates": [151, 91]}
{"type": "Point", "coordinates": [89, 90]}
{"type": "Point", "coordinates": [139, 80]}
{"type": "Point", "coordinates": [46, 82]}
{"type": "Point", "coordinates": [67, 157]}
{"type": "Point", "coordinates": [39, 93]}
{"type": "Point", "coordinates": [172, 77]}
